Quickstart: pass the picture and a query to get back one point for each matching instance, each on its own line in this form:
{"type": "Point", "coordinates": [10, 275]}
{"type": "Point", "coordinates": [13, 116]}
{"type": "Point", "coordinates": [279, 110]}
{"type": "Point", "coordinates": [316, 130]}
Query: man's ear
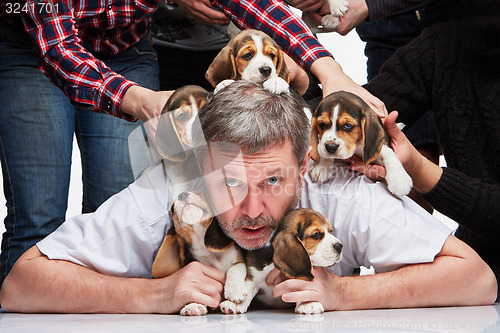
{"type": "Point", "coordinates": [290, 257]}
{"type": "Point", "coordinates": [168, 260]}
{"type": "Point", "coordinates": [305, 163]}
{"type": "Point", "coordinates": [215, 239]}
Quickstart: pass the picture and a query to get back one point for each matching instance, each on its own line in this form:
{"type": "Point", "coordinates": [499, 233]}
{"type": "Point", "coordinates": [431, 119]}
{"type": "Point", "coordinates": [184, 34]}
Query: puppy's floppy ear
{"type": "Point", "coordinates": [374, 135]}
{"type": "Point", "coordinates": [314, 139]}
{"type": "Point", "coordinates": [215, 239]}
{"type": "Point", "coordinates": [281, 68]}
{"type": "Point", "coordinates": [223, 67]}
{"type": "Point", "coordinates": [290, 256]}
{"type": "Point", "coordinates": [168, 260]}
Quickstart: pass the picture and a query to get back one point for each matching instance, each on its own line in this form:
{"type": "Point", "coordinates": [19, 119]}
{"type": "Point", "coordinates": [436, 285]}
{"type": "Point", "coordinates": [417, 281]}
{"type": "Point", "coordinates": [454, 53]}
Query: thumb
{"type": "Point", "coordinates": [390, 125]}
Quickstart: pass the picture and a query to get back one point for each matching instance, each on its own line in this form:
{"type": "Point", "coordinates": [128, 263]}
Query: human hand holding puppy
{"type": "Point", "coordinates": [423, 172]}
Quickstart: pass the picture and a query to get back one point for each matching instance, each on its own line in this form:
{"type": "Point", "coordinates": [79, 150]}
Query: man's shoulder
{"type": "Point", "coordinates": [151, 191]}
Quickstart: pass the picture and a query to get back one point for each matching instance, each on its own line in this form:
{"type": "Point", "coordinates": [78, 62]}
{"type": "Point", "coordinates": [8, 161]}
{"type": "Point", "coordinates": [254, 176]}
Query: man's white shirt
{"type": "Point", "coordinates": [377, 229]}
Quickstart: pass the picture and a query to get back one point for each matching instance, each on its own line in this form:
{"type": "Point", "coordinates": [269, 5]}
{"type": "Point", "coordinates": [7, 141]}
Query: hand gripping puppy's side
{"type": "Point", "coordinates": [196, 235]}
{"type": "Point", "coordinates": [344, 125]}
{"type": "Point", "coordinates": [251, 56]}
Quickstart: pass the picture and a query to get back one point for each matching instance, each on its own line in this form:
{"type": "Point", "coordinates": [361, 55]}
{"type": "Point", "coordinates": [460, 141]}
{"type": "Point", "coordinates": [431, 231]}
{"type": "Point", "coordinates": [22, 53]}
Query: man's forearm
{"type": "Point", "coordinates": [37, 284]}
{"type": "Point", "coordinates": [450, 280]}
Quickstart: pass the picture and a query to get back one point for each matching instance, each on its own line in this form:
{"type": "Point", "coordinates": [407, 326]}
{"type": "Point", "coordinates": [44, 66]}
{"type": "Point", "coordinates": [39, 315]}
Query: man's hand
{"type": "Point", "coordinates": [194, 283]}
{"type": "Point", "coordinates": [325, 288]}
{"type": "Point", "coordinates": [203, 11]}
{"type": "Point", "coordinates": [144, 103]}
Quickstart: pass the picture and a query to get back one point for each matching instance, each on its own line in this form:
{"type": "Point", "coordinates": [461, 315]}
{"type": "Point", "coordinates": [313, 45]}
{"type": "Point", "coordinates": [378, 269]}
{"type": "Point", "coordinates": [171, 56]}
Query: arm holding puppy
{"type": "Point", "coordinates": [275, 18]}
{"type": "Point", "coordinates": [457, 276]}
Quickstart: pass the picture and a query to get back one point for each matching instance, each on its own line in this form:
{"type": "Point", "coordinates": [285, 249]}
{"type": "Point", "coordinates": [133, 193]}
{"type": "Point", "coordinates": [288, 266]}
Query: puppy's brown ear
{"type": "Point", "coordinates": [291, 257]}
{"type": "Point", "coordinates": [314, 139]}
{"type": "Point", "coordinates": [168, 260]}
{"type": "Point", "coordinates": [374, 135]}
{"type": "Point", "coordinates": [223, 67]}
{"type": "Point", "coordinates": [281, 68]}
{"type": "Point", "coordinates": [215, 239]}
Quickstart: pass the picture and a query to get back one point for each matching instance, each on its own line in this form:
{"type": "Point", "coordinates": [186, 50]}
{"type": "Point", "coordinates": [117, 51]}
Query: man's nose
{"type": "Point", "coordinates": [252, 206]}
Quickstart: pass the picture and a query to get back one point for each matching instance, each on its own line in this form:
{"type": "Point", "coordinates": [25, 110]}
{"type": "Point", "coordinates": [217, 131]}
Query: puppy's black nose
{"type": "Point", "coordinates": [265, 70]}
{"type": "Point", "coordinates": [183, 196]}
{"type": "Point", "coordinates": [338, 247]}
{"type": "Point", "coordinates": [331, 147]}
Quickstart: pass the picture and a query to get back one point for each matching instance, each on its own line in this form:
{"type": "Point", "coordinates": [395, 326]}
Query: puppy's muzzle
{"type": "Point", "coordinates": [265, 71]}
{"type": "Point", "coordinates": [331, 147]}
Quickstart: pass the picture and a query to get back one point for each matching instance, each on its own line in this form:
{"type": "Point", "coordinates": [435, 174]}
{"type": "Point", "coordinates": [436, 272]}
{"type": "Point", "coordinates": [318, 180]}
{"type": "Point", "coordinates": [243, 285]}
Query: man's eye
{"type": "Point", "coordinates": [231, 182]}
{"type": "Point", "coordinates": [247, 56]}
{"type": "Point", "coordinates": [273, 181]}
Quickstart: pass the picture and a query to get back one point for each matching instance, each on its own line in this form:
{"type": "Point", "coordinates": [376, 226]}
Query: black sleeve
{"type": "Point", "coordinates": [405, 81]}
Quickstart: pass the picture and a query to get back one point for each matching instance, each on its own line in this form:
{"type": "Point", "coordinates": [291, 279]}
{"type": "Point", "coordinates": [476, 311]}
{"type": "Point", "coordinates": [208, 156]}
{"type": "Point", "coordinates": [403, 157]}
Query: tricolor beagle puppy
{"type": "Point", "coordinates": [343, 125]}
{"type": "Point", "coordinates": [302, 240]}
{"type": "Point", "coordinates": [173, 139]}
{"type": "Point", "coordinates": [196, 235]}
{"type": "Point", "coordinates": [252, 56]}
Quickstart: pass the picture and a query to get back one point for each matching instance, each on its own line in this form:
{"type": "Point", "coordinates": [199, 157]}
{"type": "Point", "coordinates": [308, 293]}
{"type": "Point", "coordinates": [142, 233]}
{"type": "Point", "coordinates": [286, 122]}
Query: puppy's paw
{"type": "Point", "coordinates": [229, 307]}
{"type": "Point", "coordinates": [309, 308]}
{"type": "Point", "coordinates": [338, 7]}
{"type": "Point", "coordinates": [276, 85]}
{"type": "Point", "coordinates": [322, 172]}
{"type": "Point", "coordinates": [399, 182]}
{"type": "Point", "coordinates": [330, 22]}
{"type": "Point", "coordinates": [235, 292]}
{"type": "Point", "coordinates": [222, 85]}
{"type": "Point", "coordinates": [194, 309]}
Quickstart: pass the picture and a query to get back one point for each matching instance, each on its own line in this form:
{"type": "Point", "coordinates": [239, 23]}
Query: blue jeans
{"type": "Point", "coordinates": [37, 124]}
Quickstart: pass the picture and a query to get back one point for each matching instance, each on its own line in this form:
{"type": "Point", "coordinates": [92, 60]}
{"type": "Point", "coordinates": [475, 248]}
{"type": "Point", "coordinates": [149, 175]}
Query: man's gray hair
{"type": "Point", "coordinates": [248, 116]}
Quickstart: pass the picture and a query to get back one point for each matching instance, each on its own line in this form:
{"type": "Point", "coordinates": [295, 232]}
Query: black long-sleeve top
{"type": "Point", "coordinates": [455, 71]}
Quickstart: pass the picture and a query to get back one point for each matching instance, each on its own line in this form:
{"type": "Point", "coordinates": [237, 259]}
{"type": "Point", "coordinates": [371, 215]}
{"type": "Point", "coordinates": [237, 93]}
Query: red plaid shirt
{"type": "Point", "coordinates": [67, 32]}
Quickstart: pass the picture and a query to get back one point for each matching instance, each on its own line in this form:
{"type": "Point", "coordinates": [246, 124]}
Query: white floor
{"type": "Point", "coordinates": [464, 319]}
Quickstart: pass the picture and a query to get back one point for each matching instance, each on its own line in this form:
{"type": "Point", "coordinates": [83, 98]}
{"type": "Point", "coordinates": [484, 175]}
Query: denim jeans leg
{"type": "Point", "coordinates": [103, 139]}
{"type": "Point", "coordinates": [36, 133]}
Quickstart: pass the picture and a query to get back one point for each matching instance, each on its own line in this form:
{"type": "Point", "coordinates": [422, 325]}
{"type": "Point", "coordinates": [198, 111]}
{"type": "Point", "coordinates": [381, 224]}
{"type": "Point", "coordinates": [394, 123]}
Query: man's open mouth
{"type": "Point", "coordinates": [252, 233]}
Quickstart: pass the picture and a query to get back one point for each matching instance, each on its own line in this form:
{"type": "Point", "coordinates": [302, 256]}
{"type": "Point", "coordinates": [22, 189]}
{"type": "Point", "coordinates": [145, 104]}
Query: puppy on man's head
{"type": "Point", "coordinates": [344, 125]}
{"type": "Point", "coordinates": [251, 56]}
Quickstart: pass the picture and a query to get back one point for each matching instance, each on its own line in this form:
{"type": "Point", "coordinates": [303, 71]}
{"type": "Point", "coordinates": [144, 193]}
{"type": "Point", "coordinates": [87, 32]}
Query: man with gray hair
{"type": "Point", "coordinates": [253, 149]}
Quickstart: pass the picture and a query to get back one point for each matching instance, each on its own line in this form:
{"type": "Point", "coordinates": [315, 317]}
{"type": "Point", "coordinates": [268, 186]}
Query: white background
{"type": "Point", "coordinates": [347, 50]}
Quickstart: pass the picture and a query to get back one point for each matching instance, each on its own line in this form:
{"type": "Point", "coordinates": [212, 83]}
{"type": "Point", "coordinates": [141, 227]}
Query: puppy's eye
{"type": "Point", "coordinates": [322, 126]}
{"type": "Point", "coordinates": [272, 56]}
{"type": "Point", "coordinates": [317, 235]}
{"type": "Point", "coordinates": [247, 56]}
{"type": "Point", "coordinates": [347, 127]}
{"type": "Point", "coordinates": [183, 117]}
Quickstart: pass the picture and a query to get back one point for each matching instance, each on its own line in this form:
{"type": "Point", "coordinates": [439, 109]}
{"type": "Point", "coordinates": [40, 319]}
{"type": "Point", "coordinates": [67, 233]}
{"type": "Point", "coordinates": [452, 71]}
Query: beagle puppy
{"type": "Point", "coordinates": [343, 125]}
{"type": "Point", "coordinates": [196, 235]}
{"type": "Point", "coordinates": [302, 240]}
{"type": "Point", "coordinates": [173, 139]}
{"type": "Point", "coordinates": [253, 56]}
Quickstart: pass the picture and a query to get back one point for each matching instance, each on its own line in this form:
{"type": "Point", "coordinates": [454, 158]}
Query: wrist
{"type": "Point", "coordinates": [424, 173]}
